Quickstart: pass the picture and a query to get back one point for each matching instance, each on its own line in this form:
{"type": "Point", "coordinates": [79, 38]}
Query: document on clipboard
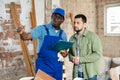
{"type": "Point", "coordinates": [62, 45]}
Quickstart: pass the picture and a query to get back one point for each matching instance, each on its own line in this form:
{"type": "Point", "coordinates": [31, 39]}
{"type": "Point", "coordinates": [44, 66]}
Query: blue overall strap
{"type": "Point", "coordinates": [46, 29]}
{"type": "Point", "coordinates": [60, 35]}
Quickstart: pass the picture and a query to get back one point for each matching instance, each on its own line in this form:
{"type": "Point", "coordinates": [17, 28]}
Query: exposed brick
{"type": "Point", "coordinates": [16, 68]}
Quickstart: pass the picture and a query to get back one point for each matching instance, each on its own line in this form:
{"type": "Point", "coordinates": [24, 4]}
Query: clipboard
{"type": "Point", "coordinates": [62, 45]}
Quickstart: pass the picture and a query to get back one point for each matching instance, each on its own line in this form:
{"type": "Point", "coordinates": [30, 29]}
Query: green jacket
{"type": "Point", "coordinates": [90, 54]}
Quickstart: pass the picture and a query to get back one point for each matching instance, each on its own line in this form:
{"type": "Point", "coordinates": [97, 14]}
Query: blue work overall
{"type": "Point", "coordinates": [47, 59]}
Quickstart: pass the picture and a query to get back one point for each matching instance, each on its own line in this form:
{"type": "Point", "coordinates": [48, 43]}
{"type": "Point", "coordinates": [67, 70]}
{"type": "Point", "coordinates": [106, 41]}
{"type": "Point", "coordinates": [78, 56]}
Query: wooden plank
{"type": "Point", "coordinates": [43, 76]}
{"type": "Point", "coordinates": [28, 61]}
{"type": "Point", "coordinates": [33, 23]}
{"type": "Point", "coordinates": [16, 5]}
{"type": "Point", "coordinates": [18, 11]}
{"type": "Point", "coordinates": [72, 20]}
{"type": "Point", "coordinates": [45, 11]}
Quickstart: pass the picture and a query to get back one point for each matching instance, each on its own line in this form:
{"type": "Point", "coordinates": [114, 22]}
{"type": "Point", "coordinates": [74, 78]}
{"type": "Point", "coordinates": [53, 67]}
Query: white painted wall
{"type": "Point", "coordinates": [39, 8]}
{"type": "Point", "coordinates": [55, 3]}
{"type": "Point", "coordinates": [25, 15]}
{"type": "Point", "coordinates": [2, 8]}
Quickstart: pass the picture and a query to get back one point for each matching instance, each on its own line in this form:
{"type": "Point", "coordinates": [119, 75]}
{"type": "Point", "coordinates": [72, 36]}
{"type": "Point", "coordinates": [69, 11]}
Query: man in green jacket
{"type": "Point", "coordinates": [86, 53]}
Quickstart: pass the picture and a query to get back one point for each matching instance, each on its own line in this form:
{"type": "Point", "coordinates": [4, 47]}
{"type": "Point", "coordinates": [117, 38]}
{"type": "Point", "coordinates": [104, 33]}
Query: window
{"type": "Point", "coordinates": [112, 20]}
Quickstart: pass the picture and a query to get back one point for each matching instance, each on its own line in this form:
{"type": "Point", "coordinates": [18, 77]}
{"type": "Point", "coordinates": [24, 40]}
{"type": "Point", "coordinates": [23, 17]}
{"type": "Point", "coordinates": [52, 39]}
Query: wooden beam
{"type": "Point", "coordinates": [33, 14]}
{"type": "Point", "coordinates": [72, 20]}
{"type": "Point", "coordinates": [16, 21]}
{"type": "Point", "coordinates": [40, 75]}
{"type": "Point", "coordinates": [45, 11]}
{"type": "Point", "coordinates": [33, 23]}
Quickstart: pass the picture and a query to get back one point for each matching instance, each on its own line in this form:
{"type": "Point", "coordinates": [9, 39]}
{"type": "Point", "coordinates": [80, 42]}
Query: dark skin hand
{"type": "Point", "coordinates": [64, 53]}
{"type": "Point", "coordinates": [23, 34]}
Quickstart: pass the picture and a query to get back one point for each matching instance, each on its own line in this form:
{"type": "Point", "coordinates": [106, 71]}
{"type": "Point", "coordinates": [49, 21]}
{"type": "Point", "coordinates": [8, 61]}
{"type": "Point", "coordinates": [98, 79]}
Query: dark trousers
{"type": "Point", "coordinates": [80, 74]}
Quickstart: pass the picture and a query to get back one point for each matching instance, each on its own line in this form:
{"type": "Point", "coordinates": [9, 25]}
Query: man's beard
{"type": "Point", "coordinates": [77, 31]}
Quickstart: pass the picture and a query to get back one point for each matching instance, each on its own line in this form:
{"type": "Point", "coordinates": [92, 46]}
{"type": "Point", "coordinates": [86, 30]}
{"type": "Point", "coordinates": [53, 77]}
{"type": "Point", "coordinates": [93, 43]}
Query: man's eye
{"type": "Point", "coordinates": [78, 23]}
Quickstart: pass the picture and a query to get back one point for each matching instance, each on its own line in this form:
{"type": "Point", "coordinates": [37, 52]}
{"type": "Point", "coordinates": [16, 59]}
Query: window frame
{"type": "Point", "coordinates": [110, 30]}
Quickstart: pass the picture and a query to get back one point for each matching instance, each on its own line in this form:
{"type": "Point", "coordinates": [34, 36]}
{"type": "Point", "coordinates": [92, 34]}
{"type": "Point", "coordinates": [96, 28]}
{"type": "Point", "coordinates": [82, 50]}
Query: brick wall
{"type": "Point", "coordinates": [12, 65]}
{"type": "Point", "coordinates": [11, 57]}
{"type": "Point", "coordinates": [71, 6]}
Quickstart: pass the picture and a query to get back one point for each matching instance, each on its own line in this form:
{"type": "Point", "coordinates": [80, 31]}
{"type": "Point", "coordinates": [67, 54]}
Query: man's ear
{"type": "Point", "coordinates": [63, 20]}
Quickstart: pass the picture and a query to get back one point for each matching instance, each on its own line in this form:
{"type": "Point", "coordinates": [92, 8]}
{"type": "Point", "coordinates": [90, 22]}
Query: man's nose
{"type": "Point", "coordinates": [75, 24]}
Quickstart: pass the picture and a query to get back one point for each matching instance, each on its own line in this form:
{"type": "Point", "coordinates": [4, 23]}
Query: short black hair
{"type": "Point", "coordinates": [84, 19]}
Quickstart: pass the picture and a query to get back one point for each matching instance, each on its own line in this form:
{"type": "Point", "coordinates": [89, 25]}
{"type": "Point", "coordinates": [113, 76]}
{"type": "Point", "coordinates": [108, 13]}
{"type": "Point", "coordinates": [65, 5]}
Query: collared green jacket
{"type": "Point", "coordinates": [90, 54]}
